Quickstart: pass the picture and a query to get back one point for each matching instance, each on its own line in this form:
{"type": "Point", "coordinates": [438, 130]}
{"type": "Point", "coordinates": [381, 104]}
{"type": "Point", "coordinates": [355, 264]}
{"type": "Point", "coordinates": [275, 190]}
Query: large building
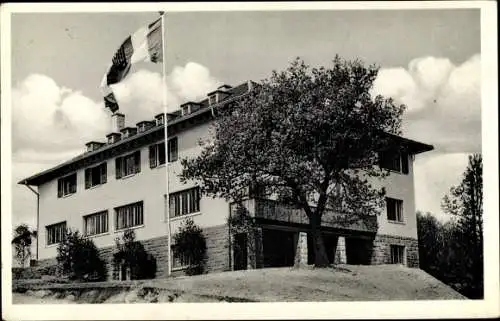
{"type": "Point", "coordinates": [120, 184]}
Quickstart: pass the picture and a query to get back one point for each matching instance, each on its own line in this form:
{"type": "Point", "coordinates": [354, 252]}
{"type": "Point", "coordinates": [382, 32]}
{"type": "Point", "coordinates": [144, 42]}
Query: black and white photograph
{"type": "Point", "coordinates": [324, 156]}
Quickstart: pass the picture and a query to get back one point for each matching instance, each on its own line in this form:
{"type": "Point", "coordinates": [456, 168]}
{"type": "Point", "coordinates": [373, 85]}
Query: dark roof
{"type": "Point", "coordinates": [235, 93]}
{"type": "Point", "coordinates": [43, 176]}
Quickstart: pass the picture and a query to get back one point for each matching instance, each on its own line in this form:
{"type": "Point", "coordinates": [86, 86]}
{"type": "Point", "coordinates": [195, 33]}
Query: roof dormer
{"type": "Point", "coordinates": [160, 119]}
{"type": "Point", "coordinates": [217, 96]}
{"type": "Point", "coordinates": [189, 107]}
{"type": "Point", "coordinates": [92, 146]}
{"type": "Point", "coordinates": [144, 125]}
{"type": "Point", "coordinates": [113, 137]}
{"type": "Point", "coordinates": [128, 131]}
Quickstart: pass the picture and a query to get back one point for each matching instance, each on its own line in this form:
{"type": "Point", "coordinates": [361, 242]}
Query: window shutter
{"type": "Point", "coordinates": [404, 163]}
{"type": "Point", "coordinates": [87, 178]}
{"type": "Point", "coordinates": [59, 188]}
{"type": "Point", "coordinates": [104, 173]}
{"type": "Point", "coordinates": [172, 149]}
{"type": "Point", "coordinates": [118, 167]}
{"type": "Point", "coordinates": [152, 156]}
{"type": "Point", "coordinates": [137, 158]}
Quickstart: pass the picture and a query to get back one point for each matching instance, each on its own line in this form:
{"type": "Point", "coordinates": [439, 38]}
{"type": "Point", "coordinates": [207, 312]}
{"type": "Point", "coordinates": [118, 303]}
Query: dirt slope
{"type": "Point", "coordinates": [342, 283]}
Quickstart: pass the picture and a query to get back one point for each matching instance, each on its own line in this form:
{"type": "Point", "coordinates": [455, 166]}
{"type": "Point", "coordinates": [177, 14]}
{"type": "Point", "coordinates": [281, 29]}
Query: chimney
{"type": "Point", "coordinates": [117, 122]}
{"type": "Point", "coordinates": [92, 146]}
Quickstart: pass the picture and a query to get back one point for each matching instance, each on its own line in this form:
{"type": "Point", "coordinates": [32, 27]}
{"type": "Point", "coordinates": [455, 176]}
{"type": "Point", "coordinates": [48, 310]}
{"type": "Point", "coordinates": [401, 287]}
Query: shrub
{"type": "Point", "coordinates": [132, 255]}
{"type": "Point", "coordinates": [78, 258]}
{"type": "Point", "coordinates": [190, 245]}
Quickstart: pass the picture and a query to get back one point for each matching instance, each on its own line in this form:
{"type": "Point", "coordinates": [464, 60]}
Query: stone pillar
{"type": "Point", "coordinates": [301, 250]}
{"type": "Point", "coordinates": [340, 252]}
{"type": "Point", "coordinates": [255, 251]}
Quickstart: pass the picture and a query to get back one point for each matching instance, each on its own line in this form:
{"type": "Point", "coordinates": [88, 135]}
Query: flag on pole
{"type": "Point", "coordinates": [146, 44]}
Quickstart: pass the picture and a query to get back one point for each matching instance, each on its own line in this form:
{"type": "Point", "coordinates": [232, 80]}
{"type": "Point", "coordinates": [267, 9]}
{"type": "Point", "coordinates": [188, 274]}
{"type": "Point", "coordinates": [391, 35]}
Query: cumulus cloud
{"type": "Point", "coordinates": [51, 123]}
{"type": "Point", "coordinates": [49, 117]}
{"type": "Point", "coordinates": [443, 100]}
{"type": "Point", "coordinates": [144, 88]}
{"type": "Point", "coordinates": [434, 174]}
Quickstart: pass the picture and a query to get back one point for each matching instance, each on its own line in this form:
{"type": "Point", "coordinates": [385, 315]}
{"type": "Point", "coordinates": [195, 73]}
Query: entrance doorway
{"type": "Point", "coordinates": [240, 251]}
{"type": "Point", "coordinates": [279, 247]}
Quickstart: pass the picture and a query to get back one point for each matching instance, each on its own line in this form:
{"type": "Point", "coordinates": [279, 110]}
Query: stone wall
{"type": "Point", "coordinates": [218, 250]}
{"type": "Point", "coordinates": [382, 253]}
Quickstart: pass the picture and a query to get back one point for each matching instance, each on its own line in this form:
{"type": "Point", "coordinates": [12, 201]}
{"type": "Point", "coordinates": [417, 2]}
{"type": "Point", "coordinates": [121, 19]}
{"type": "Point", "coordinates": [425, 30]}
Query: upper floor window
{"type": "Point", "coordinates": [129, 216]}
{"type": "Point", "coordinates": [96, 175]}
{"type": "Point", "coordinates": [394, 161]}
{"type": "Point", "coordinates": [56, 233]}
{"type": "Point", "coordinates": [173, 149]}
{"type": "Point", "coordinates": [128, 164]}
{"type": "Point", "coordinates": [394, 209]}
{"type": "Point", "coordinates": [184, 202]}
{"type": "Point", "coordinates": [157, 154]}
{"type": "Point", "coordinates": [66, 185]}
{"type": "Point", "coordinates": [97, 223]}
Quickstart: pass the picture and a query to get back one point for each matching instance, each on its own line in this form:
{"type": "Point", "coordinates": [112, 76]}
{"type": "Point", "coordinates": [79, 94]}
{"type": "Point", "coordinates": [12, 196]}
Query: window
{"type": "Point", "coordinates": [129, 216]}
{"type": "Point", "coordinates": [397, 254]}
{"type": "Point", "coordinates": [394, 161]}
{"type": "Point", "coordinates": [96, 175]}
{"type": "Point", "coordinates": [185, 202]}
{"type": "Point", "coordinates": [97, 223]}
{"type": "Point", "coordinates": [55, 233]}
{"type": "Point", "coordinates": [179, 263]}
{"type": "Point", "coordinates": [66, 185]}
{"type": "Point", "coordinates": [128, 164]}
{"type": "Point", "coordinates": [172, 149]}
{"type": "Point", "coordinates": [394, 209]}
{"type": "Point", "coordinates": [156, 155]}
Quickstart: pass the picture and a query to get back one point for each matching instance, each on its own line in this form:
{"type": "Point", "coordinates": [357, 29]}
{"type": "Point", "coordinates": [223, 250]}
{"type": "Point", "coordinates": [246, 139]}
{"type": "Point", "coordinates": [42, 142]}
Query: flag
{"type": "Point", "coordinates": [146, 44]}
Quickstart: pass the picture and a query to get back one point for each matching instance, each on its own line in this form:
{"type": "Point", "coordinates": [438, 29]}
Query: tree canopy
{"type": "Point", "coordinates": [311, 136]}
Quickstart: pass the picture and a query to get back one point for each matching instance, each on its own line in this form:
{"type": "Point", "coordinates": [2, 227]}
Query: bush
{"type": "Point", "coordinates": [190, 246]}
{"type": "Point", "coordinates": [132, 255]}
{"type": "Point", "coordinates": [78, 258]}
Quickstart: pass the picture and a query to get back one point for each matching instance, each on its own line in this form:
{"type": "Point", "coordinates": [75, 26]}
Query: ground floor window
{"type": "Point", "coordinates": [179, 261]}
{"type": "Point", "coordinates": [96, 223]}
{"type": "Point", "coordinates": [129, 216]}
{"type": "Point", "coordinates": [55, 233]}
{"type": "Point", "coordinates": [397, 254]}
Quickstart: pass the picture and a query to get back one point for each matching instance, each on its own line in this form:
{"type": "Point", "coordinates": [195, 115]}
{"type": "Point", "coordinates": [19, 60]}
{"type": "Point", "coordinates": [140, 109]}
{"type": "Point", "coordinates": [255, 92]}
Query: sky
{"type": "Point", "coordinates": [429, 60]}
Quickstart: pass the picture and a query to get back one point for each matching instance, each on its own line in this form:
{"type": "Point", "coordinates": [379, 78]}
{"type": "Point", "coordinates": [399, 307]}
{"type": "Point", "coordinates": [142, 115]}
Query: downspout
{"type": "Point", "coordinates": [37, 214]}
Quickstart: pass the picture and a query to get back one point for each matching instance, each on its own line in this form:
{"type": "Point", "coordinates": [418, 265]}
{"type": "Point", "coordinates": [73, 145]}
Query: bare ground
{"type": "Point", "coordinates": [342, 283]}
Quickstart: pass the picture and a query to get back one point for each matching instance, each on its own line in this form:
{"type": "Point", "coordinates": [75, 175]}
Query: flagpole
{"type": "Point", "coordinates": [164, 101]}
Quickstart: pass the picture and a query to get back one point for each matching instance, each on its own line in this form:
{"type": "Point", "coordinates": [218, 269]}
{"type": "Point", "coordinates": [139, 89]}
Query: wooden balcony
{"type": "Point", "coordinates": [271, 210]}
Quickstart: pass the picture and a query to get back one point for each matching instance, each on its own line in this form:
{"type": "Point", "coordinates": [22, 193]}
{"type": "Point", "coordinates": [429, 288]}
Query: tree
{"type": "Point", "coordinates": [191, 246]}
{"type": "Point", "coordinates": [132, 255]}
{"type": "Point", "coordinates": [465, 203]}
{"type": "Point", "coordinates": [78, 258]}
{"type": "Point", "coordinates": [22, 241]}
{"type": "Point", "coordinates": [309, 136]}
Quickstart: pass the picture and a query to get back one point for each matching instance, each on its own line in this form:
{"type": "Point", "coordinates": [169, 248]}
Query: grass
{"type": "Point", "coordinates": [342, 283]}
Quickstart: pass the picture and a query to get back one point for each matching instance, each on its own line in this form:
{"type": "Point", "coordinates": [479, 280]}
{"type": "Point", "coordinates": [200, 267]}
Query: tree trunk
{"type": "Point", "coordinates": [320, 257]}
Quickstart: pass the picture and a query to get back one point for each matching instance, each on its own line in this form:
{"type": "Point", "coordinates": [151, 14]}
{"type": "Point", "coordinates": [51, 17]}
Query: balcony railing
{"type": "Point", "coordinates": [276, 211]}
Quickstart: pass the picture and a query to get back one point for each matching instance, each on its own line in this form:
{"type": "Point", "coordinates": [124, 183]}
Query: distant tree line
{"type": "Point", "coordinates": [453, 251]}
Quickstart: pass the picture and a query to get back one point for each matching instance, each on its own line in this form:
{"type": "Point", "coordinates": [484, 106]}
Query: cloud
{"type": "Point", "coordinates": [51, 123]}
{"type": "Point", "coordinates": [443, 101]}
{"type": "Point", "coordinates": [49, 117]}
{"type": "Point", "coordinates": [144, 88]}
{"type": "Point", "coordinates": [434, 174]}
